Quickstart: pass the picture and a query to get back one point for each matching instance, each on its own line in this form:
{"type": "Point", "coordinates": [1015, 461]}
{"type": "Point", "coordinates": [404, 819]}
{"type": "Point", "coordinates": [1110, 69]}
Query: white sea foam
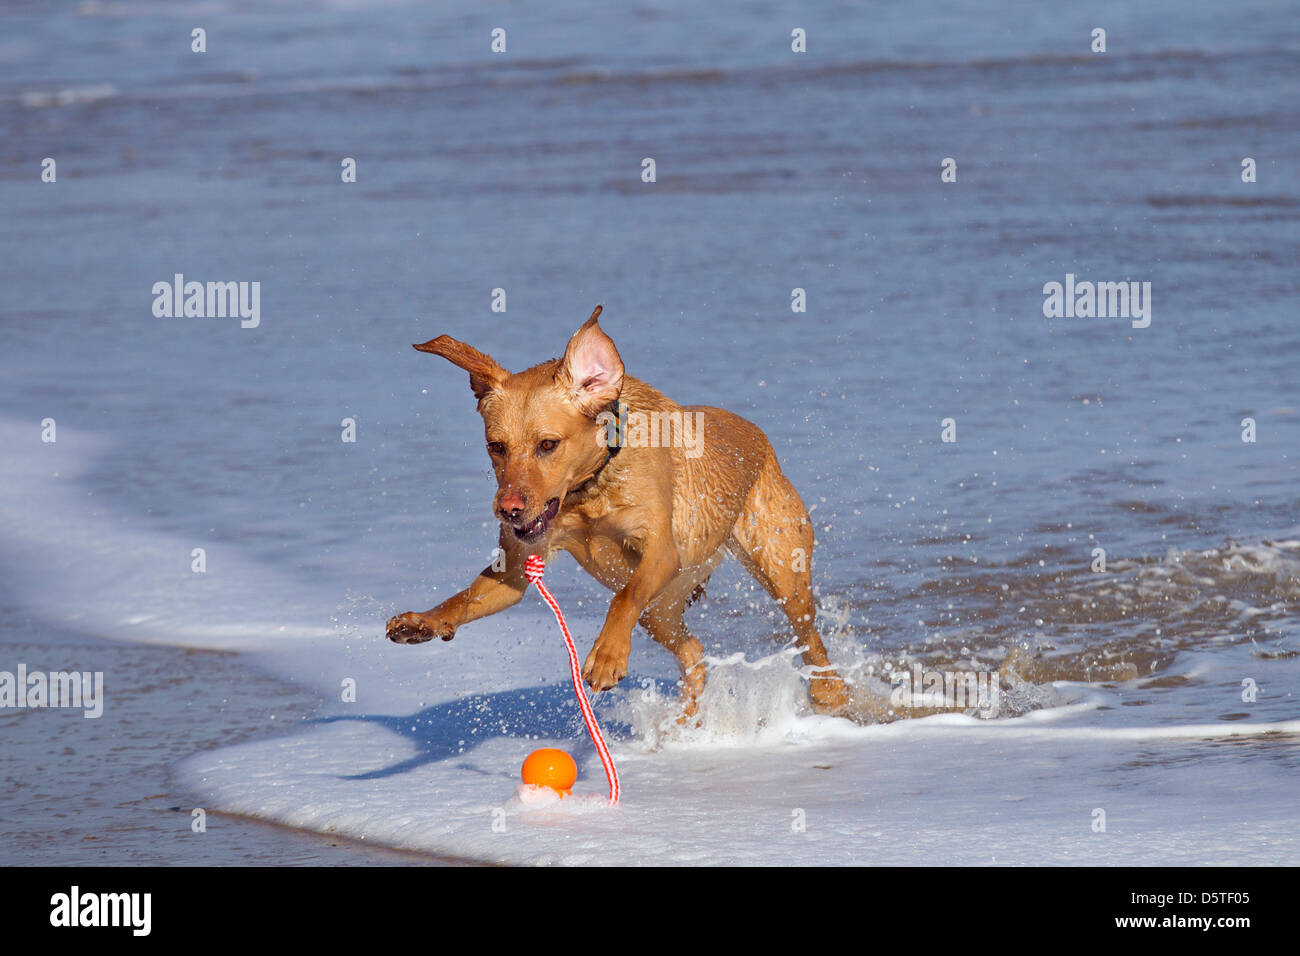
{"type": "Point", "coordinates": [428, 756]}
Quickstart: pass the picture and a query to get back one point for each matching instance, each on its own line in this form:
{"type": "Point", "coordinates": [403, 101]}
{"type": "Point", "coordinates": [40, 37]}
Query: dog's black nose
{"type": "Point", "coordinates": [512, 515]}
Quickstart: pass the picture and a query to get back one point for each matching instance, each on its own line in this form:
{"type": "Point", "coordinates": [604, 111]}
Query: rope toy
{"type": "Point", "coordinates": [534, 567]}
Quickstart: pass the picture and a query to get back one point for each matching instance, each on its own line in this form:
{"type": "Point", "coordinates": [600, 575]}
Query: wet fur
{"type": "Point", "coordinates": [651, 525]}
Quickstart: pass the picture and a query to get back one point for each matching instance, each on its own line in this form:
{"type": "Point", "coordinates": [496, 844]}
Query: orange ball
{"type": "Point", "coordinates": [552, 768]}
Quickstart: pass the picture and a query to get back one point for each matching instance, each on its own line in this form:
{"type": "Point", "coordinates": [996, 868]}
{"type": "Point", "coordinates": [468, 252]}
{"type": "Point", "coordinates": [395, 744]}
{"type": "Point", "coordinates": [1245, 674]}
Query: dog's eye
{"type": "Point", "coordinates": [496, 449]}
{"type": "Point", "coordinates": [547, 445]}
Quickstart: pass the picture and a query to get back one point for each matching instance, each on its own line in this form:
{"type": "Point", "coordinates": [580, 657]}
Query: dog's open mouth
{"type": "Point", "coordinates": [537, 527]}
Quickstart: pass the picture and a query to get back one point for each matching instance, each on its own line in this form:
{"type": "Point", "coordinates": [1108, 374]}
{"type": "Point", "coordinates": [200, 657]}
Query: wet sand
{"type": "Point", "coordinates": [80, 791]}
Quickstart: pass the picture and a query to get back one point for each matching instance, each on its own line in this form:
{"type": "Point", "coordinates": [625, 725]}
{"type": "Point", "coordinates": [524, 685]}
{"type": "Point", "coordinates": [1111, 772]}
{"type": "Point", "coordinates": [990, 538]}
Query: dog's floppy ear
{"type": "Point", "coordinates": [591, 370]}
{"type": "Point", "coordinates": [484, 372]}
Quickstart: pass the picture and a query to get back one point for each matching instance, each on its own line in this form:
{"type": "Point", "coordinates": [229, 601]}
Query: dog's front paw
{"type": "Point", "coordinates": [413, 628]}
{"type": "Point", "coordinates": [606, 665]}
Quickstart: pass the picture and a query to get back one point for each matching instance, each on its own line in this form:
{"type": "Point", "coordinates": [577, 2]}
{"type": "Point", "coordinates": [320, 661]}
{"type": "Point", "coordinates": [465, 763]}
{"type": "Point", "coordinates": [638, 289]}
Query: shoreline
{"type": "Point", "coordinates": [102, 791]}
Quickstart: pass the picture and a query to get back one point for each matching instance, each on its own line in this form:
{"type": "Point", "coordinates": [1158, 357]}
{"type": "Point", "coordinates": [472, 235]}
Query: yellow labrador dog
{"type": "Point", "coordinates": [647, 514]}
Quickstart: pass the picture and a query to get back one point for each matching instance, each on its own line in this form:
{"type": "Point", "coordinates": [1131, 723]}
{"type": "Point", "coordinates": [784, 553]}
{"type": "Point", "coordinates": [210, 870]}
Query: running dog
{"type": "Point", "coordinates": [648, 513]}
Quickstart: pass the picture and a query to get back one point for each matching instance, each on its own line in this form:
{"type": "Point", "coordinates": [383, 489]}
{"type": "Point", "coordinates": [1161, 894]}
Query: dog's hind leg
{"type": "Point", "coordinates": [665, 621]}
{"type": "Point", "coordinates": [773, 539]}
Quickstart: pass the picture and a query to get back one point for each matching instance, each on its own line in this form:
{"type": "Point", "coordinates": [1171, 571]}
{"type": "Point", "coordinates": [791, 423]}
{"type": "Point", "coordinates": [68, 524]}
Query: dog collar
{"type": "Point", "coordinates": [618, 410]}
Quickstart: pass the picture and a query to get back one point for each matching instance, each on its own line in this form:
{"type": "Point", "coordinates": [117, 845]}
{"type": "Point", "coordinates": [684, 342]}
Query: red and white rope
{"type": "Point", "coordinates": [534, 567]}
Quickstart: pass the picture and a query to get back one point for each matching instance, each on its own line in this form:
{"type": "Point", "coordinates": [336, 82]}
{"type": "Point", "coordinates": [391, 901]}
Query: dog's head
{"type": "Point", "coordinates": [541, 424]}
